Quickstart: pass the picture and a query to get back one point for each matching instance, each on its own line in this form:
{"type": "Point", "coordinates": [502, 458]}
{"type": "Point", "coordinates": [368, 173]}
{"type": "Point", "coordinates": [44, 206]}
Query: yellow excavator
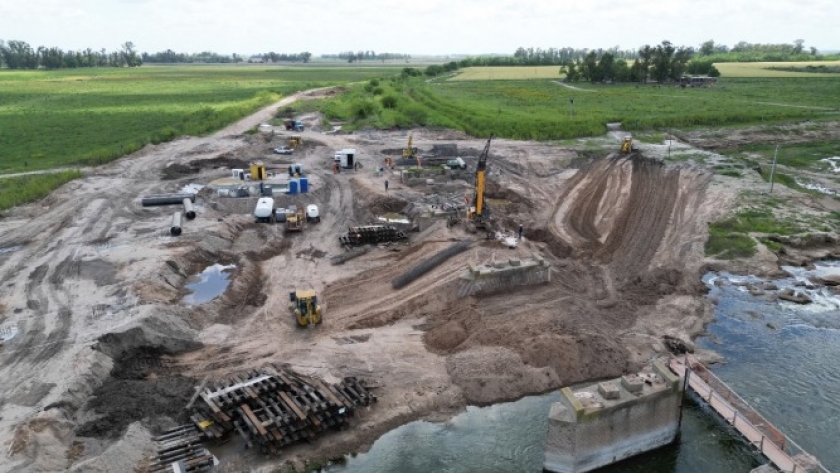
{"type": "Point", "coordinates": [305, 307]}
{"type": "Point", "coordinates": [627, 145]}
{"type": "Point", "coordinates": [410, 152]}
{"type": "Point", "coordinates": [478, 215]}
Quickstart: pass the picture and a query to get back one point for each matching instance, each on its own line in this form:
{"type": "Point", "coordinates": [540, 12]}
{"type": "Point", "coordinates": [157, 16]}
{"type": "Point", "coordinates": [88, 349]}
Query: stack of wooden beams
{"type": "Point", "coordinates": [276, 407]}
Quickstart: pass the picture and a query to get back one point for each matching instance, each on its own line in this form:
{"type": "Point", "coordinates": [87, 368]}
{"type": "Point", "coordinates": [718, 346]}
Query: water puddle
{"type": "Point", "coordinates": [10, 249]}
{"type": "Point", "coordinates": [208, 284]}
{"type": "Point", "coordinates": [8, 333]}
{"type": "Point", "coordinates": [834, 162]}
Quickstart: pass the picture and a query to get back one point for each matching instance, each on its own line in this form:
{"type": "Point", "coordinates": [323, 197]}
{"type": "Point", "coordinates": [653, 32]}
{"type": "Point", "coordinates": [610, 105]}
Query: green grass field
{"type": "Point", "coordinates": [760, 69]}
{"type": "Point", "coordinates": [21, 189]}
{"type": "Point", "coordinates": [508, 73]}
{"type": "Point", "coordinates": [70, 117]}
{"type": "Point", "coordinates": [545, 110]}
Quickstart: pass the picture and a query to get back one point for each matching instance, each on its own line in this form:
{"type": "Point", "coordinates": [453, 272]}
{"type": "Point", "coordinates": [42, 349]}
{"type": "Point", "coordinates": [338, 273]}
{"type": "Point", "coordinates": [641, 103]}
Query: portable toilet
{"type": "Point", "coordinates": [258, 171]}
{"type": "Point", "coordinates": [348, 158]}
{"type": "Point", "coordinates": [304, 185]}
{"type": "Point", "coordinates": [293, 186]}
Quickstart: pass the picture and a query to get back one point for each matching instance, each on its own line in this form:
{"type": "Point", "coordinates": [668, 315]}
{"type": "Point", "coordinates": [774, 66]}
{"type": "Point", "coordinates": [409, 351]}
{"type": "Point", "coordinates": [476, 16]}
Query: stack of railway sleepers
{"type": "Point", "coordinates": [272, 408]}
{"type": "Point", "coordinates": [179, 450]}
{"type": "Point", "coordinates": [366, 234]}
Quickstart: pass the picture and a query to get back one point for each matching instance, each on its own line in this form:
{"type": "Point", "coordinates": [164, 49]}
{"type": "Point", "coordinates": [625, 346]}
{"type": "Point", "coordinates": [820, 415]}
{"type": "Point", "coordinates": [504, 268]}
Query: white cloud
{"type": "Point", "coordinates": [429, 26]}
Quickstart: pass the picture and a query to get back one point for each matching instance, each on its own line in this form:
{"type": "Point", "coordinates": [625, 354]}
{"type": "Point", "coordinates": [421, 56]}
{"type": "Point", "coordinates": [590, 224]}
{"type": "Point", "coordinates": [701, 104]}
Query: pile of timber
{"type": "Point", "coordinates": [274, 408]}
{"type": "Point", "coordinates": [367, 234]}
{"type": "Point", "coordinates": [179, 450]}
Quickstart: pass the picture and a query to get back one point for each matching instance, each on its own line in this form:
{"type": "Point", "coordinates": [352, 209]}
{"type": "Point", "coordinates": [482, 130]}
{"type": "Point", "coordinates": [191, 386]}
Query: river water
{"type": "Point", "coordinates": [783, 358]}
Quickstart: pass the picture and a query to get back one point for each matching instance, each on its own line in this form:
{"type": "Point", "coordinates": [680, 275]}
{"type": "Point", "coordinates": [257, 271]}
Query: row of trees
{"type": "Point", "coordinates": [171, 57]}
{"type": "Point", "coordinates": [282, 57]}
{"type": "Point", "coordinates": [555, 56]}
{"type": "Point", "coordinates": [20, 55]}
{"type": "Point", "coordinates": [660, 63]}
{"type": "Point", "coordinates": [360, 56]}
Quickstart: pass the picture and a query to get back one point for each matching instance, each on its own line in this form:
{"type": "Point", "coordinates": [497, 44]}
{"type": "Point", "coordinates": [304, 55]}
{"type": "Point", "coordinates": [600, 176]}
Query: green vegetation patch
{"type": "Point", "coordinates": [90, 116]}
{"type": "Point", "coordinates": [24, 189]}
{"type": "Point", "coordinates": [730, 238]}
{"type": "Point", "coordinates": [543, 110]}
{"type": "Point", "coordinates": [797, 155]}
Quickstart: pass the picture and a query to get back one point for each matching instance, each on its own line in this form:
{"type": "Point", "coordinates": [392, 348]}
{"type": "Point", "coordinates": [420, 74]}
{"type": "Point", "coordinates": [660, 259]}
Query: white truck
{"type": "Point", "coordinates": [312, 213]}
{"type": "Point", "coordinates": [264, 211]}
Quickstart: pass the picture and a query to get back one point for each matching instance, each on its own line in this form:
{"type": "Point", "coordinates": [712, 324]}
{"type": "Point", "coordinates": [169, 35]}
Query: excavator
{"type": "Point", "coordinates": [305, 307]}
{"type": "Point", "coordinates": [410, 152]}
{"type": "Point", "coordinates": [627, 145]}
{"type": "Point", "coordinates": [478, 215]}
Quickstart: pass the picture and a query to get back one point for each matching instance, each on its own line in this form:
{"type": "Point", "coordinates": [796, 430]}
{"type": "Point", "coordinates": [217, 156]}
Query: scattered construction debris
{"type": "Point", "coordinates": [371, 234]}
{"type": "Point", "coordinates": [429, 264]}
{"type": "Point", "coordinates": [273, 408]}
{"type": "Point", "coordinates": [499, 276]}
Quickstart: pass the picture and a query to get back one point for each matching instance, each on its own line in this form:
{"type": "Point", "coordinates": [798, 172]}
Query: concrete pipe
{"type": "Point", "coordinates": [189, 211]}
{"type": "Point", "coordinates": [165, 199]}
{"type": "Point", "coordinates": [175, 228]}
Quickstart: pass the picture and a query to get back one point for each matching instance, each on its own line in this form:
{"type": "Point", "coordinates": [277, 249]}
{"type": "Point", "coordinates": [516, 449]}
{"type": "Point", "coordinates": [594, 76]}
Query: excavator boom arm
{"type": "Point", "coordinates": [479, 179]}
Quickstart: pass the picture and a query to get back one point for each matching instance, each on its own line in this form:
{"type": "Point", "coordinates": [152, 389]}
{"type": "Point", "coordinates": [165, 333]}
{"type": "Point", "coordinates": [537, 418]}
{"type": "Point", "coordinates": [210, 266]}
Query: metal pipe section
{"type": "Point", "coordinates": [166, 199]}
{"type": "Point", "coordinates": [175, 228]}
{"type": "Point", "coordinates": [189, 212]}
{"type": "Point", "coordinates": [429, 264]}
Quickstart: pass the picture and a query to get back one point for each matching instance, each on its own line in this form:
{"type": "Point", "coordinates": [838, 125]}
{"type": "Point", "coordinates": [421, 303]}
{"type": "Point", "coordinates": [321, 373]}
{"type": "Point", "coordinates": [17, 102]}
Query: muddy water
{"type": "Point", "coordinates": [208, 284]}
{"type": "Point", "coordinates": [784, 358]}
{"type": "Point", "coordinates": [510, 437]}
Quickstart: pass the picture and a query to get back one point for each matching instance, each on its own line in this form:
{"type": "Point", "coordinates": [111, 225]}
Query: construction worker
{"type": "Point", "coordinates": [521, 231]}
{"type": "Point", "coordinates": [386, 185]}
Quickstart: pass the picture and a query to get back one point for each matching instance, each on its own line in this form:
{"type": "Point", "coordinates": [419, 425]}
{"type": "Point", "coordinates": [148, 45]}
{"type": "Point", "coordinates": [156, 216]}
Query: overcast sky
{"type": "Point", "coordinates": [414, 27]}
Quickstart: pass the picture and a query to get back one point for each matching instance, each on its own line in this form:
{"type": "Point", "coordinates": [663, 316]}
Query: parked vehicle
{"type": "Point", "coordinates": [283, 150]}
{"type": "Point", "coordinates": [264, 211]}
{"type": "Point", "coordinates": [312, 213]}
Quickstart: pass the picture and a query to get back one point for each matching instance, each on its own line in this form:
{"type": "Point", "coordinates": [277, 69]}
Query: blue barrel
{"type": "Point", "coordinates": [304, 185]}
{"type": "Point", "coordinates": [293, 186]}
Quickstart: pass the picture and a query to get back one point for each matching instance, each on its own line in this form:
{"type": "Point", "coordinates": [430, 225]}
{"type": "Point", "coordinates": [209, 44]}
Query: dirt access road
{"type": "Point", "coordinates": [105, 351]}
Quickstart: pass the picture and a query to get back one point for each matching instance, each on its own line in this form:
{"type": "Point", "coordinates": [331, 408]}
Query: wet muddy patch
{"type": "Point", "coordinates": [208, 284]}
{"type": "Point", "coordinates": [143, 385]}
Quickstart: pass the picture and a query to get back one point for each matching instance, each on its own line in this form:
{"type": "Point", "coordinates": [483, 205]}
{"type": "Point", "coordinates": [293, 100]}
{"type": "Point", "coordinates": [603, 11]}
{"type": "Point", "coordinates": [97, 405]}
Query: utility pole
{"type": "Point", "coordinates": [571, 105]}
{"type": "Point", "coordinates": [773, 168]}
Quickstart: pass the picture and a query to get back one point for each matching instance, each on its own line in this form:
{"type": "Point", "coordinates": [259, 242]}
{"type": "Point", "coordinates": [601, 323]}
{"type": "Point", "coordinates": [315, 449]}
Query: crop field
{"type": "Point", "coordinates": [545, 111]}
{"type": "Point", "coordinates": [760, 69]}
{"type": "Point", "coordinates": [820, 156]}
{"type": "Point", "coordinates": [508, 73]}
{"type": "Point", "coordinates": [69, 117]}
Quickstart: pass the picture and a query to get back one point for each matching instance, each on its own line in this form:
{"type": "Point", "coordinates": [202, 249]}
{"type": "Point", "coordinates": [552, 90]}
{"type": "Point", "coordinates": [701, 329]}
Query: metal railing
{"type": "Point", "coordinates": [763, 437]}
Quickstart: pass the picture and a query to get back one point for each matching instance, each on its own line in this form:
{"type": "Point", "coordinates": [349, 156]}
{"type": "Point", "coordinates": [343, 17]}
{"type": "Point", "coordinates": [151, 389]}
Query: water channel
{"type": "Point", "coordinates": [783, 358]}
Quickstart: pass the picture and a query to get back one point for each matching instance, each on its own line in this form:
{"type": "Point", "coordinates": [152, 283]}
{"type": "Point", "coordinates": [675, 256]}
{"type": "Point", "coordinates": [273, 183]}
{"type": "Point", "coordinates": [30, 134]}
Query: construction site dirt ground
{"type": "Point", "coordinates": [106, 353]}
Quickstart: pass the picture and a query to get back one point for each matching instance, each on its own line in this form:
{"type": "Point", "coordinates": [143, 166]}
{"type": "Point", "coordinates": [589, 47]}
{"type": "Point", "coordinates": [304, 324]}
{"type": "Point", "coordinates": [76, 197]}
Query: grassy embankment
{"type": "Point", "coordinates": [86, 117]}
{"type": "Point", "coordinates": [19, 190]}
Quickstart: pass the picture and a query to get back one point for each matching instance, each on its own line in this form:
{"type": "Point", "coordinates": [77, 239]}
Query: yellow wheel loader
{"type": "Point", "coordinates": [305, 307]}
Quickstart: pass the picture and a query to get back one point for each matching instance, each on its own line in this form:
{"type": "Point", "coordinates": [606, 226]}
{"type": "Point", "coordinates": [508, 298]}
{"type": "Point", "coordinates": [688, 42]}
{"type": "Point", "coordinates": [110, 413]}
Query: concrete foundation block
{"type": "Point", "coordinates": [609, 390]}
{"type": "Point", "coordinates": [632, 383]}
{"type": "Point", "coordinates": [604, 423]}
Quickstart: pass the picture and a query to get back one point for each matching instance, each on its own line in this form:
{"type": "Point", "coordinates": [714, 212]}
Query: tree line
{"type": "Point", "coordinates": [359, 56]}
{"type": "Point", "coordinates": [207, 57]}
{"type": "Point", "coordinates": [661, 63]}
{"type": "Point", "coordinates": [16, 54]}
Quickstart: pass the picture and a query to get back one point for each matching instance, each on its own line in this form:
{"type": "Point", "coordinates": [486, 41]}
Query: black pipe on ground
{"type": "Point", "coordinates": [430, 263]}
{"type": "Point", "coordinates": [189, 211]}
{"type": "Point", "coordinates": [165, 199]}
{"type": "Point", "coordinates": [175, 228]}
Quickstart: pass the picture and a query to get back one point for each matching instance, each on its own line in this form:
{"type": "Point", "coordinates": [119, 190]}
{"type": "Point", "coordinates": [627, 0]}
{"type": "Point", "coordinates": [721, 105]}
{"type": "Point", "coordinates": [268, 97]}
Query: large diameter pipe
{"type": "Point", "coordinates": [189, 211]}
{"type": "Point", "coordinates": [175, 228]}
{"type": "Point", "coordinates": [429, 264]}
{"type": "Point", "coordinates": [166, 199]}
